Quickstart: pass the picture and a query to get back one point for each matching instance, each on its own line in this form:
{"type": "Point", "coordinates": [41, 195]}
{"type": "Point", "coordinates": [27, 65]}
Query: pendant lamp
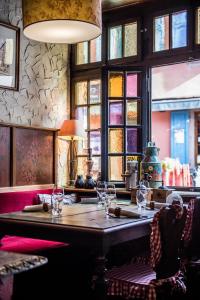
{"type": "Point", "coordinates": [62, 21]}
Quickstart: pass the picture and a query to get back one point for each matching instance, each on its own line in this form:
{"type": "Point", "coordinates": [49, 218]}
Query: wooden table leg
{"type": "Point", "coordinates": [99, 281]}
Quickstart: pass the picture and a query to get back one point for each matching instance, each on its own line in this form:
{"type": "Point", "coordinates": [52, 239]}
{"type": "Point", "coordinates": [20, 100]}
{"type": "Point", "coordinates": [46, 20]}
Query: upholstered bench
{"type": "Point", "coordinates": [15, 201]}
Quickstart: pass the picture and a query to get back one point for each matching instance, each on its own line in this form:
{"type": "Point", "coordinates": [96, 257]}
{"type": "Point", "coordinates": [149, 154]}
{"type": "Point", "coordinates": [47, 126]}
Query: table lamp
{"type": "Point", "coordinates": [72, 130]}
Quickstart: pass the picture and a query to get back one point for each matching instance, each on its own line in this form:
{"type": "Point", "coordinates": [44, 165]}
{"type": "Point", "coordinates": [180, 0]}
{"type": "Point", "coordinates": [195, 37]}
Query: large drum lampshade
{"type": "Point", "coordinates": [62, 21]}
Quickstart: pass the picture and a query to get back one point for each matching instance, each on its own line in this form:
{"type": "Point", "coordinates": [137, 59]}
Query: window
{"type": "Point", "coordinates": [124, 120]}
{"type": "Point", "coordinates": [88, 109]}
{"type": "Point", "coordinates": [123, 41]}
{"type": "Point", "coordinates": [198, 25]}
{"type": "Point", "coordinates": [88, 52]}
{"type": "Point", "coordinates": [170, 31]}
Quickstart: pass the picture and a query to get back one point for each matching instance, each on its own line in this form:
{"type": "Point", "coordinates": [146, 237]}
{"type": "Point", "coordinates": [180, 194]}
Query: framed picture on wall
{"type": "Point", "coordinates": [9, 56]}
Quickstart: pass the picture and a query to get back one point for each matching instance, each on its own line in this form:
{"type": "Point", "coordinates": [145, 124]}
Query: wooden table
{"type": "Point", "coordinates": [83, 225]}
{"type": "Point", "coordinates": [14, 263]}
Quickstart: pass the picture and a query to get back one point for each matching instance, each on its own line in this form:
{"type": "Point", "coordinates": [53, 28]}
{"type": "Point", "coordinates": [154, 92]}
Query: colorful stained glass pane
{"type": "Point", "coordinates": [81, 165]}
{"type": "Point", "coordinates": [95, 50]}
{"type": "Point", "coordinates": [132, 85]}
{"type": "Point", "coordinates": [116, 81]}
{"type": "Point", "coordinates": [81, 114]}
{"type": "Point", "coordinates": [115, 168]}
{"type": "Point", "coordinates": [131, 140]}
{"type": "Point", "coordinates": [198, 26]}
{"type": "Point", "coordinates": [135, 157]}
{"type": "Point", "coordinates": [95, 117]}
{"type": "Point", "coordinates": [179, 29]}
{"type": "Point", "coordinates": [81, 93]}
{"type": "Point", "coordinates": [95, 91]}
{"type": "Point", "coordinates": [115, 46]}
{"type": "Point", "coordinates": [82, 53]}
{"type": "Point", "coordinates": [96, 166]}
{"type": "Point", "coordinates": [116, 113]}
{"type": "Point", "coordinates": [95, 142]}
{"type": "Point", "coordinates": [130, 45]}
{"type": "Point", "coordinates": [132, 113]}
{"type": "Point", "coordinates": [161, 33]}
{"type": "Point", "coordinates": [115, 140]}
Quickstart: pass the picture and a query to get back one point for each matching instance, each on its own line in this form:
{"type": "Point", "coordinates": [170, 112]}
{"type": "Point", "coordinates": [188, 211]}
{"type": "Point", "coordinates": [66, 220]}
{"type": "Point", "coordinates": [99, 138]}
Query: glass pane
{"type": "Point", "coordinates": [161, 33]}
{"type": "Point", "coordinates": [131, 113]}
{"type": "Point", "coordinates": [95, 50]}
{"type": "Point", "coordinates": [131, 140]}
{"type": "Point", "coordinates": [130, 46]}
{"type": "Point", "coordinates": [135, 157]}
{"type": "Point", "coordinates": [115, 140]}
{"type": "Point", "coordinates": [115, 47]}
{"type": "Point", "coordinates": [95, 91]}
{"type": "Point", "coordinates": [179, 29]}
{"type": "Point", "coordinates": [81, 114]}
{"type": "Point", "coordinates": [198, 26]}
{"type": "Point", "coordinates": [81, 93]}
{"type": "Point", "coordinates": [132, 85]}
{"type": "Point", "coordinates": [116, 81]}
{"type": "Point", "coordinates": [115, 168]}
{"type": "Point", "coordinates": [95, 117]}
{"type": "Point", "coordinates": [96, 166]}
{"type": "Point", "coordinates": [95, 142]}
{"type": "Point", "coordinates": [81, 169]}
{"type": "Point", "coordinates": [115, 113]}
{"type": "Point", "coordinates": [82, 53]}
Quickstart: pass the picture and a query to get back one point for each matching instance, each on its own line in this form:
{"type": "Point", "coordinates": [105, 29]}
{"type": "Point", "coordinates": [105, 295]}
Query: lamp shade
{"type": "Point", "coordinates": [71, 129]}
{"type": "Point", "coordinates": [62, 21]}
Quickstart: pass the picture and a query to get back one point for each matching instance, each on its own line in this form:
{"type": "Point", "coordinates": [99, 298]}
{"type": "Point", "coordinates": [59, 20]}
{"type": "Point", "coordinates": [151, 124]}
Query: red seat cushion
{"type": "Point", "coordinates": [27, 245]}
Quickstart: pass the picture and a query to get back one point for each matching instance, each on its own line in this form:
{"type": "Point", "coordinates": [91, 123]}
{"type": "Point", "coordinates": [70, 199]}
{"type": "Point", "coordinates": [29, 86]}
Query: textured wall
{"type": "Point", "coordinates": [42, 99]}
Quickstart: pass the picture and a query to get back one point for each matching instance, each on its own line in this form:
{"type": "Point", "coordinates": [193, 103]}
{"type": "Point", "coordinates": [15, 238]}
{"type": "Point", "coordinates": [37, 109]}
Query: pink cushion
{"type": "Point", "coordinates": [27, 245]}
{"type": "Point", "coordinates": [15, 201]}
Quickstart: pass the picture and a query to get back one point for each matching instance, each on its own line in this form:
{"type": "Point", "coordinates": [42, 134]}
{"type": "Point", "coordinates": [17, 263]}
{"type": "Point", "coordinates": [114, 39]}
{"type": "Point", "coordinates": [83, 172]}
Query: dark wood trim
{"type": "Point", "coordinates": [28, 127]}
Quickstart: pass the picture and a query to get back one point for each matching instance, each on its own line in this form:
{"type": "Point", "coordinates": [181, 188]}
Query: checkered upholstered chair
{"type": "Point", "coordinates": [161, 276]}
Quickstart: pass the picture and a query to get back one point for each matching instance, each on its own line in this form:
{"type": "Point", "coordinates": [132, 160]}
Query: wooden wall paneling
{"type": "Point", "coordinates": [33, 160]}
{"type": "Point", "coordinates": [4, 156]}
{"type": "Point", "coordinates": [55, 157]}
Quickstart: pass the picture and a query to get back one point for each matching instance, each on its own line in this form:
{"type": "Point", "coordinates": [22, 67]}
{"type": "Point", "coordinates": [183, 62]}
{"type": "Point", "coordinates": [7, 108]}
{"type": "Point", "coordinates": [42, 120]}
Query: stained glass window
{"type": "Point", "coordinates": [131, 140]}
{"type": "Point", "coordinates": [130, 43]}
{"type": "Point", "coordinates": [132, 85]}
{"type": "Point", "coordinates": [116, 113]}
{"type": "Point", "coordinates": [161, 33]}
{"type": "Point", "coordinates": [198, 26]}
{"type": "Point", "coordinates": [132, 113]}
{"type": "Point", "coordinates": [81, 93]}
{"type": "Point", "coordinates": [95, 117]}
{"type": "Point", "coordinates": [82, 53]}
{"type": "Point", "coordinates": [115, 168]}
{"type": "Point", "coordinates": [115, 140]}
{"type": "Point", "coordinates": [95, 50]}
{"type": "Point", "coordinates": [88, 110]}
{"type": "Point", "coordinates": [95, 91]}
{"type": "Point", "coordinates": [116, 85]}
{"type": "Point", "coordinates": [179, 29]}
{"type": "Point", "coordinates": [115, 49]}
{"type": "Point", "coordinates": [88, 52]}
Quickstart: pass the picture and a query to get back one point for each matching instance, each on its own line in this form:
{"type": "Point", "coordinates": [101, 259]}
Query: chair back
{"type": "Point", "coordinates": [171, 223]}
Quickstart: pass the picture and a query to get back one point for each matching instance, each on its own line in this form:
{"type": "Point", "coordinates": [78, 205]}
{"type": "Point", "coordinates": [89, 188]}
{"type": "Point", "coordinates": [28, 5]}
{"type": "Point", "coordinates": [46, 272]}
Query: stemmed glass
{"type": "Point", "coordinates": [141, 198]}
{"type": "Point", "coordinates": [57, 202]}
{"type": "Point", "coordinates": [101, 192]}
{"type": "Point", "coordinates": [111, 196]}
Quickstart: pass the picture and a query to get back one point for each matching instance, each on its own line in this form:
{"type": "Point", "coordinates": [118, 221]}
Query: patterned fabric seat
{"type": "Point", "coordinates": [170, 227]}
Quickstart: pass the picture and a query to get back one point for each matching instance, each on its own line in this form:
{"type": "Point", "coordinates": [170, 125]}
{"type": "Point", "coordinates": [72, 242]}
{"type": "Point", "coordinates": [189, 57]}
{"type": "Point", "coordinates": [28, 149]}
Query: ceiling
{"type": "Point", "coordinates": [111, 4]}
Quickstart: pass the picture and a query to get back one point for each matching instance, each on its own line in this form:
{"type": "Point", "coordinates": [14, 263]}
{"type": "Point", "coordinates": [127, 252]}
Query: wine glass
{"type": "Point", "coordinates": [57, 202]}
{"type": "Point", "coordinates": [111, 195]}
{"type": "Point", "coordinates": [101, 192]}
{"type": "Point", "coordinates": [141, 199]}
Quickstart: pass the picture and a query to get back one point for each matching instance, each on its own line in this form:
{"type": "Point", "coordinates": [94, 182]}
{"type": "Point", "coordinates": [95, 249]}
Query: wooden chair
{"type": "Point", "coordinates": [161, 275]}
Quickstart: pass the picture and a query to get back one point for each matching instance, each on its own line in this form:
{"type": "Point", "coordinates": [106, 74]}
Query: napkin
{"type": "Point", "coordinates": [123, 212]}
{"type": "Point", "coordinates": [89, 200]}
{"type": "Point", "coordinates": [34, 208]}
